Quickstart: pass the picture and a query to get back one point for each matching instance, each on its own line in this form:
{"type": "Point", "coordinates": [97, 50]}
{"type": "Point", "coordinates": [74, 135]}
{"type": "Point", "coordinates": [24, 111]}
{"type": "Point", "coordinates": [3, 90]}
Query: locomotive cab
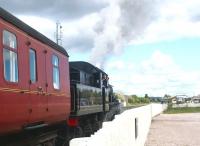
{"type": "Point", "coordinates": [89, 93]}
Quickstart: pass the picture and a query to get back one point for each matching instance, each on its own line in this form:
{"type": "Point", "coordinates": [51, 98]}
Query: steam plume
{"type": "Point", "coordinates": [121, 22]}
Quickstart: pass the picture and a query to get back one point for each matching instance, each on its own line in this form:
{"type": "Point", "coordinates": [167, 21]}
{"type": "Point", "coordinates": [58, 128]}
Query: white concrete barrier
{"type": "Point", "coordinates": [157, 109]}
{"type": "Point", "coordinates": [127, 129]}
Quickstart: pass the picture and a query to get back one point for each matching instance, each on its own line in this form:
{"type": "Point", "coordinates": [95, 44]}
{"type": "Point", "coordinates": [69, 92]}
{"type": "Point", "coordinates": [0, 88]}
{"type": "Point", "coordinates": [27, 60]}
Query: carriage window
{"type": "Point", "coordinates": [10, 65]}
{"type": "Point", "coordinates": [9, 39]}
{"type": "Point", "coordinates": [56, 78]}
{"type": "Point", "coordinates": [32, 64]}
{"type": "Point", "coordinates": [10, 56]}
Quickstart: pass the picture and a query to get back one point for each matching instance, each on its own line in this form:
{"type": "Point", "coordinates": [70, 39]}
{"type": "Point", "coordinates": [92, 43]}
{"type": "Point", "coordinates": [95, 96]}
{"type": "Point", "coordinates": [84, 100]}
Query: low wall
{"type": "Point", "coordinates": [127, 129]}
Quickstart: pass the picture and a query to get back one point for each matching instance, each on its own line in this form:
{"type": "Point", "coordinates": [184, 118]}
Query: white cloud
{"type": "Point", "coordinates": [59, 9]}
{"type": "Point", "coordinates": [118, 65]}
{"type": "Point", "coordinates": [77, 34]}
{"type": "Point", "coordinates": [176, 19]}
{"type": "Point", "coordinates": [45, 26]}
{"type": "Point", "coordinates": [155, 76]}
{"type": "Point", "coordinates": [117, 23]}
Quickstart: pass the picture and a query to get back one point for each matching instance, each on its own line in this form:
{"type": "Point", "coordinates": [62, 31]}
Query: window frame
{"type": "Point", "coordinates": [6, 46]}
{"type": "Point", "coordinates": [58, 69]}
{"type": "Point", "coordinates": [36, 69]}
{"type": "Point", "coordinates": [14, 50]}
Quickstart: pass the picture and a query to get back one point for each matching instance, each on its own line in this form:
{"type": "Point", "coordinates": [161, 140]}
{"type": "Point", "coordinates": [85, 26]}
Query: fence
{"type": "Point", "coordinates": [127, 129]}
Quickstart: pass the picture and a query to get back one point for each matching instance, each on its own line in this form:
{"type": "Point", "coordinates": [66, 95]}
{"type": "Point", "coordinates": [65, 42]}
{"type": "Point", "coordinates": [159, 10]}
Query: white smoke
{"type": "Point", "coordinates": [121, 22]}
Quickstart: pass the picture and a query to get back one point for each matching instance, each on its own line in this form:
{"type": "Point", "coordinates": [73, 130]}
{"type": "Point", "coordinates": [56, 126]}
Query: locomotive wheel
{"type": "Point", "coordinates": [78, 132]}
{"type": "Point", "coordinates": [49, 144]}
{"type": "Point", "coordinates": [96, 125]}
{"type": "Point", "coordinates": [88, 130]}
{"type": "Point", "coordinates": [66, 143]}
{"type": "Point", "coordinates": [100, 124]}
{"type": "Point", "coordinates": [73, 133]}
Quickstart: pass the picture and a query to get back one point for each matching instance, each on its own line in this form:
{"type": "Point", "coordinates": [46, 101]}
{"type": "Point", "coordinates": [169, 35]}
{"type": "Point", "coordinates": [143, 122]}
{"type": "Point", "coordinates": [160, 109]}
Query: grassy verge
{"type": "Point", "coordinates": [182, 110]}
{"type": "Point", "coordinates": [135, 105]}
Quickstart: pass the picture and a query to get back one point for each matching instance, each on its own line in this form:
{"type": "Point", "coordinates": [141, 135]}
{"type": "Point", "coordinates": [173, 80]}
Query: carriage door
{"type": "Point", "coordinates": [37, 73]}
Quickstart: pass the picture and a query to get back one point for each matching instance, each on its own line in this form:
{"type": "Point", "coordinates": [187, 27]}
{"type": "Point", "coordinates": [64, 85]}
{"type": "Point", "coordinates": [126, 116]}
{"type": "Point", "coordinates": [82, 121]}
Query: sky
{"type": "Point", "coordinates": [146, 46]}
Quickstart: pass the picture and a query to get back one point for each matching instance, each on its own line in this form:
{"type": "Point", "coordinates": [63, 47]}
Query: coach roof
{"type": "Point", "coordinates": [30, 31]}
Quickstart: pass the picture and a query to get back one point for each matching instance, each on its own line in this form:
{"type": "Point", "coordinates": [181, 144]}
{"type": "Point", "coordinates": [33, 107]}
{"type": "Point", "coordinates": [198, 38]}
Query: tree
{"type": "Point", "coordinates": [120, 96]}
{"type": "Point", "coordinates": [166, 96]}
{"type": "Point", "coordinates": [146, 96]}
{"type": "Point", "coordinates": [131, 100]}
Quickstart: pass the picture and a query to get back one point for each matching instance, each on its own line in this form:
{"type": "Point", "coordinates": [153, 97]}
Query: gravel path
{"type": "Point", "coordinates": [175, 130]}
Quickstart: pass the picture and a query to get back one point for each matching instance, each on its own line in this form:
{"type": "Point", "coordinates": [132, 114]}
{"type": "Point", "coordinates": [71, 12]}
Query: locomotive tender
{"type": "Point", "coordinates": [44, 99]}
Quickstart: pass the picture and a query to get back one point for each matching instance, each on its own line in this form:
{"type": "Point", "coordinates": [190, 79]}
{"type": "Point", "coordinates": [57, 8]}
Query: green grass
{"type": "Point", "coordinates": [182, 110]}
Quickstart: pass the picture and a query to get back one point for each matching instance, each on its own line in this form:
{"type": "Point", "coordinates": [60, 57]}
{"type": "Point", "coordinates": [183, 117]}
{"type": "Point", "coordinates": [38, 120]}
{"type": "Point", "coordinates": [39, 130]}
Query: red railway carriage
{"type": "Point", "coordinates": [34, 77]}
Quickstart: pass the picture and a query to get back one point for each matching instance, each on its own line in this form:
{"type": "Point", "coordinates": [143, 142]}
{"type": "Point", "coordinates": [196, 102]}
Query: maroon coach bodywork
{"type": "Point", "coordinates": [25, 104]}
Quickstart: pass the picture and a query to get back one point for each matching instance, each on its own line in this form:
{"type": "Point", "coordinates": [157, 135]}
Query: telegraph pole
{"type": "Point", "coordinates": [59, 33]}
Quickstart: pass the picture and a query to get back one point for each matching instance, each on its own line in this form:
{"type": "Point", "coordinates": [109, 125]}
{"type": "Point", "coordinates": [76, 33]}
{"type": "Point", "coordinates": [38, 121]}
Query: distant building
{"type": "Point", "coordinates": [182, 99]}
{"type": "Point", "coordinates": [196, 99]}
{"type": "Point", "coordinates": [174, 101]}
